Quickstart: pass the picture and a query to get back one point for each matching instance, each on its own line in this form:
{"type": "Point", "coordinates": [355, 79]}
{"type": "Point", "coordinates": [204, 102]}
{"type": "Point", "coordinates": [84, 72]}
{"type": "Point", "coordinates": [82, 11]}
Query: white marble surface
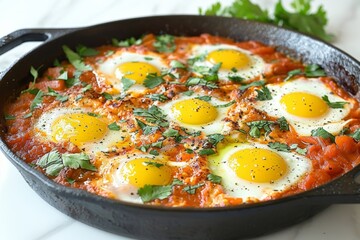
{"type": "Point", "coordinates": [25, 216]}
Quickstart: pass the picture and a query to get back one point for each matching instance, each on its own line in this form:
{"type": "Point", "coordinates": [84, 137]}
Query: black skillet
{"type": "Point", "coordinates": [147, 222]}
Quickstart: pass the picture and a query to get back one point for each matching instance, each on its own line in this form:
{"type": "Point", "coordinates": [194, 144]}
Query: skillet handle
{"type": "Point", "coordinates": [345, 189]}
{"type": "Point", "coordinates": [18, 37]}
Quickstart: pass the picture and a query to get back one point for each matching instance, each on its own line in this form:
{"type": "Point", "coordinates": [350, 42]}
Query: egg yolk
{"type": "Point", "coordinates": [304, 105]}
{"type": "Point", "coordinates": [145, 171]}
{"type": "Point", "coordinates": [229, 59]}
{"type": "Point", "coordinates": [257, 165]}
{"type": "Point", "coordinates": [137, 71]}
{"type": "Point", "coordinates": [194, 111]}
{"type": "Point", "coordinates": [78, 128]}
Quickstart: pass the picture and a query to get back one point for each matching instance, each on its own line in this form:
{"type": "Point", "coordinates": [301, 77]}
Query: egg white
{"type": "Point", "coordinates": [332, 121]}
{"type": "Point", "coordinates": [255, 69]}
{"type": "Point", "coordinates": [234, 186]}
{"type": "Point", "coordinates": [109, 142]}
{"type": "Point", "coordinates": [216, 126]}
{"type": "Point", "coordinates": [114, 76]}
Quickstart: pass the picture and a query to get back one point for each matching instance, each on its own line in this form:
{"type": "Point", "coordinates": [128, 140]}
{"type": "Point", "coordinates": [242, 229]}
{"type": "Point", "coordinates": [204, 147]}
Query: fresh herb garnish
{"type": "Point", "coordinates": [113, 126]}
{"type": "Point", "coordinates": [214, 139]}
{"type": "Point", "coordinates": [34, 72]}
{"type": "Point", "coordinates": [152, 115]}
{"type": "Point", "coordinates": [204, 98]}
{"type": "Point", "coordinates": [75, 59]}
{"type": "Point", "coordinates": [256, 126]}
{"type": "Point", "coordinates": [188, 93]}
{"type": "Point", "coordinates": [300, 18]}
{"type": "Point", "coordinates": [127, 42]}
{"type": "Point", "coordinates": [165, 43]}
{"type": "Point", "coordinates": [263, 94]}
{"type": "Point", "coordinates": [37, 101]}
{"type": "Point", "coordinates": [152, 80]}
{"type": "Point", "coordinates": [226, 104]}
{"type": "Point", "coordinates": [127, 83]}
{"type": "Point", "coordinates": [200, 82]}
{"type": "Point", "coordinates": [86, 88]}
{"type": "Point", "coordinates": [84, 51]}
{"type": "Point", "coordinates": [58, 96]}
{"type": "Point", "coordinates": [154, 152]}
{"type": "Point", "coordinates": [53, 162]}
{"type": "Point", "coordinates": [9, 117]}
{"type": "Point", "coordinates": [356, 135]}
{"type": "Point", "coordinates": [206, 151]}
{"type": "Point", "coordinates": [107, 96]}
{"type": "Point", "coordinates": [301, 151]}
{"type": "Point", "coordinates": [236, 79]}
{"type": "Point", "coordinates": [214, 178]}
{"type": "Point", "coordinates": [279, 146]}
{"type": "Point", "coordinates": [151, 192]}
{"type": "Point", "coordinates": [252, 84]}
{"type": "Point", "coordinates": [333, 104]}
{"type": "Point", "coordinates": [192, 189]}
{"type": "Point", "coordinates": [157, 97]}
{"type": "Point", "coordinates": [63, 76]}
{"type": "Point", "coordinates": [147, 129]}
{"type": "Point", "coordinates": [155, 164]}
{"type": "Point", "coordinates": [171, 133]}
{"type": "Point", "coordinates": [312, 70]}
{"type": "Point", "coordinates": [283, 124]}
{"type": "Point", "coordinates": [321, 132]}
{"type": "Point", "coordinates": [176, 64]}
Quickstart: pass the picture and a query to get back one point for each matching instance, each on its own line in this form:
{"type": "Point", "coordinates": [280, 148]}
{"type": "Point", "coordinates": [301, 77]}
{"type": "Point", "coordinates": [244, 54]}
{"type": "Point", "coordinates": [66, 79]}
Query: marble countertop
{"type": "Point", "coordinates": [25, 216]}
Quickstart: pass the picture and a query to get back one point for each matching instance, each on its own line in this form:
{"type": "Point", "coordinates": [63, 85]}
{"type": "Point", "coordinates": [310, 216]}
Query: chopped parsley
{"type": "Point", "coordinates": [9, 117]}
{"type": "Point", "coordinates": [263, 94]}
{"type": "Point", "coordinates": [107, 96]}
{"type": "Point", "coordinates": [127, 42]}
{"type": "Point", "coordinates": [206, 151]}
{"type": "Point", "coordinates": [177, 64]}
{"type": "Point", "coordinates": [152, 81]}
{"type": "Point", "coordinates": [214, 178]}
{"type": "Point", "coordinates": [151, 192]}
{"type": "Point", "coordinates": [152, 115]}
{"type": "Point", "coordinates": [204, 98]}
{"type": "Point", "coordinates": [321, 132]}
{"type": "Point", "coordinates": [252, 84]}
{"type": "Point", "coordinates": [165, 43]}
{"type": "Point", "coordinates": [127, 83]}
{"type": "Point", "coordinates": [333, 104]}
{"type": "Point", "coordinates": [312, 70]}
{"type": "Point", "coordinates": [157, 97]}
{"type": "Point", "coordinates": [279, 146]}
{"type": "Point", "coordinates": [356, 135]}
{"type": "Point", "coordinates": [155, 164]}
{"type": "Point", "coordinates": [192, 189]}
{"type": "Point", "coordinates": [58, 96]}
{"type": "Point", "coordinates": [226, 104]}
{"type": "Point", "coordinates": [147, 129]}
{"type": "Point", "coordinates": [84, 51]}
{"type": "Point", "coordinates": [114, 127]}
{"type": "Point", "coordinates": [36, 103]}
{"type": "Point", "coordinates": [200, 82]}
{"type": "Point", "coordinates": [75, 59]}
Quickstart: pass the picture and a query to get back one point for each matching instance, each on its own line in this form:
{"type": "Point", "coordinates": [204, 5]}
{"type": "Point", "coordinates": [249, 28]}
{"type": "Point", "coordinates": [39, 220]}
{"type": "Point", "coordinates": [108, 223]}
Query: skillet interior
{"type": "Point", "coordinates": [158, 223]}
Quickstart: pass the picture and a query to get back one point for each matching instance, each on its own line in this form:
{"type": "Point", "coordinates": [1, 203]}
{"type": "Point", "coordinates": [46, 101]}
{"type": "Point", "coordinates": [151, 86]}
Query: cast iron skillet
{"type": "Point", "coordinates": [147, 222]}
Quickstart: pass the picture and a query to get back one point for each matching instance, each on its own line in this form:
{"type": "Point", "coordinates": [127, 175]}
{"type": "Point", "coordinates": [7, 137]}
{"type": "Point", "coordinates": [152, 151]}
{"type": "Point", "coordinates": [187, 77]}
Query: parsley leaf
{"type": "Point", "coordinates": [165, 43]}
{"type": "Point", "coordinates": [356, 135]}
{"type": "Point", "coordinates": [155, 164]}
{"type": "Point", "coordinates": [146, 128]}
{"type": "Point", "coordinates": [151, 192]}
{"type": "Point", "coordinates": [59, 97]}
{"type": "Point", "coordinates": [252, 84]}
{"type": "Point", "coordinates": [214, 178]}
{"type": "Point", "coordinates": [293, 73]}
{"type": "Point", "coordinates": [127, 42]}
{"type": "Point", "coordinates": [37, 100]}
{"type": "Point", "coordinates": [333, 104]}
{"type": "Point", "coordinates": [171, 133]}
{"type": "Point", "coordinates": [200, 82]}
{"type": "Point", "coordinates": [226, 104]}
{"type": "Point", "coordinates": [279, 146]}
{"type": "Point", "coordinates": [204, 98]}
{"type": "Point", "coordinates": [158, 97]}
{"type": "Point", "coordinates": [77, 160]}
{"type": "Point", "coordinates": [256, 126]}
{"type": "Point", "coordinates": [283, 124]}
{"type": "Point", "coordinates": [215, 138]}
{"type": "Point", "coordinates": [63, 76]}
{"type": "Point", "coordinates": [321, 132]}
{"type": "Point", "coordinates": [107, 96]}
{"type": "Point", "coordinates": [152, 115]}
{"type": "Point", "coordinates": [176, 64]}
{"type": "Point", "coordinates": [75, 59]}
{"type": "Point", "coordinates": [34, 73]}
{"type": "Point", "coordinates": [206, 151]}
{"type": "Point", "coordinates": [314, 70]}
{"type": "Point", "coordinates": [236, 79]}
{"type": "Point", "coordinates": [84, 51]}
{"type": "Point", "coordinates": [192, 189]}
{"type": "Point", "coordinates": [188, 93]}
{"type": "Point", "coordinates": [152, 81]}
{"type": "Point", "coordinates": [127, 83]}
{"type": "Point", "coordinates": [113, 126]}
{"type": "Point", "coordinates": [263, 94]}
{"type": "Point", "coordinates": [9, 117]}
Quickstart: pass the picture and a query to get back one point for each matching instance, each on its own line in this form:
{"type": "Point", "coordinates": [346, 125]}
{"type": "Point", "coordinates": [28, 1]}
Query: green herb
{"type": "Point", "coordinates": [158, 97]}
{"type": "Point", "coordinates": [321, 132]}
{"type": "Point", "coordinates": [72, 82]}
{"type": "Point", "coordinates": [301, 151]}
{"type": "Point", "coordinates": [75, 59]}
{"type": "Point", "coordinates": [157, 144]}
{"type": "Point", "coordinates": [176, 64]}
{"type": "Point", "coordinates": [208, 73]}
{"type": "Point", "coordinates": [56, 63]}
{"type": "Point", "coordinates": [154, 152]}
{"type": "Point", "coordinates": [77, 160]}
{"type": "Point", "coordinates": [333, 104]}
{"type": "Point", "coordinates": [147, 129]}
{"type": "Point", "coordinates": [252, 84]}
{"type": "Point", "coordinates": [37, 101]}
{"type": "Point", "coordinates": [70, 180]}
{"type": "Point", "coordinates": [206, 151]}
{"type": "Point", "coordinates": [214, 178]}
{"type": "Point", "coordinates": [27, 115]}
{"type": "Point", "coordinates": [113, 126]}
{"type": "Point", "coordinates": [204, 98]}
{"type": "Point", "coordinates": [148, 58]}
{"type": "Point", "coordinates": [127, 42]}
{"type": "Point", "coordinates": [356, 135]}
{"type": "Point", "coordinates": [78, 97]}
{"type": "Point", "coordinates": [188, 150]}
{"type": "Point", "coordinates": [188, 93]}
{"type": "Point", "coordinates": [314, 70]}
{"type": "Point", "coordinates": [283, 124]}
{"type": "Point", "coordinates": [63, 76]}
{"type": "Point", "coordinates": [32, 91]}
{"type": "Point", "coordinates": [299, 19]}
{"type": "Point", "coordinates": [109, 53]}
{"type": "Point", "coordinates": [256, 126]}
{"type": "Point", "coordinates": [236, 79]}
{"type": "Point", "coordinates": [34, 73]}
{"type": "Point", "coordinates": [192, 189]}
{"type": "Point", "coordinates": [171, 133]}
{"type": "Point", "coordinates": [263, 94]}
{"type": "Point", "coordinates": [165, 43]}
{"type": "Point", "coordinates": [9, 117]}
{"type": "Point", "coordinates": [93, 114]}
{"type": "Point", "coordinates": [215, 138]}
{"type": "Point", "coordinates": [200, 82]}
{"type": "Point", "coordinates": [279, 146]}
{"type": "Point", "coordinates": [127, 83]}
{"type": "Point", "coordinates": [152, 115]}
{"type": "Point", "coordinates": [58, 96]}
{"type": "Point", "coordinates": [107, 96]}
{"type": "Point", "coordinates": [51, 162]}
{"type": "Point", "coordinates": [151, 192]}
{"type": "Point", "coordinates": [155, 164]}
{"type": "Point", "coordinates": [84, 51]}
{"type": "Point", "coordinates": [226, 104]}
{"type": "Point", "coordinates": [293, 73]}
{"type": "Point", "coordinates": [152, 80]}
{"type": "Point", "coordinates": [86, 88]}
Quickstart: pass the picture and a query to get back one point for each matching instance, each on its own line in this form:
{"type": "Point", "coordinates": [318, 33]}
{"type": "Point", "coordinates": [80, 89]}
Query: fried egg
{"type": "Point", "coordinates": [124, 175]}
{"type": "Point", "coordinates": [195, 113]}
{"type": "Point", "coordinates": [131, 66]}
{"type": "Point", "coordinates": [253, 171]}
{"type": "Point", "coordinates": [235, 61]}
{"type": "Point", "coordinates": [89, 133]}
{"type": "Point", "coordinates": [300, 102]}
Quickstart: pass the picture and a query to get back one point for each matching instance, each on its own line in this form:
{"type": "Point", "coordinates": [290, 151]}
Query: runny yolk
{"type": "Point", "coordinates": [229, 59]}
{"type": "Point", "coordinates": [258, 165]}
{"type": "Point", "coordinates": [78, 128]}
{"type": "Point", "coordinates": [137, 71]}
{"type": "Point", "coordinates": [194, 111]}
{"type": "Point", "coordinates": [304, 105]}
{"type": "Point", "coordinates": [146, 171]}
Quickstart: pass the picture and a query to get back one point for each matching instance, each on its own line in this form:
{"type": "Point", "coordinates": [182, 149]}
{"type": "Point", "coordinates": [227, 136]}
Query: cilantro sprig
{"type": "Point", "coordinates": [312, 70]}
{"type": "Point", "coordinates": [165, 43]}
{"type": "Point", "coordinates": [151, 192]}
{"type": "Point", "coordinates": [333, 104]}
{"type": "Point", "coordinates": [300, 18]}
